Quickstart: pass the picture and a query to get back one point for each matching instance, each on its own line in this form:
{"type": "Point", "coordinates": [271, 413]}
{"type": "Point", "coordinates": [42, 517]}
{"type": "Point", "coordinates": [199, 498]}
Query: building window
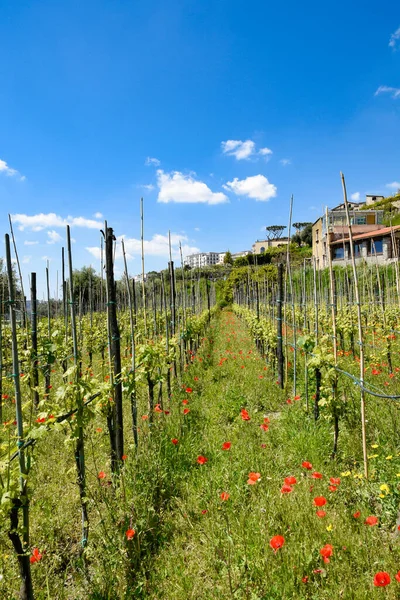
{"type": "Point", "coordinates": [376, 246]}
{"type": "Point", "coordinates": [361, 220]}
{"type": "Point", "coordinates": [317, 235]}
{"type": "Point", "coordinates": [338, 253]}
{"type": "Point", "coordinates": [357, 249]}
{"type": "Point", "coordinates": [262, 250]}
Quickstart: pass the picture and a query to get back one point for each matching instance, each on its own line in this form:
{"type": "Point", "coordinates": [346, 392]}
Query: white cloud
{"type": "Point", "coordinates": [152, 162]}
{"type": "Point", "coordinates": [384, 89]}
{"type": "Point", "coordinates": [355, 197]}
{"type": "Point", "coordinates": [177, 187]}
{"type": "Point", "coordinates": [30, 243]}
{"type": "Point", "coordinates": [394, 38]}
{"type": "Point", "coordinates": [240, 150]}
{"type": "Point", "coordinates": [26, 260]}
{"type": "Point", "coordinates": [98, 215]}
{"type": "Point", "coordinates": [266, 152]}
{"type": "Point", "coordinates": [197, 228]}
{"type": "Point", "coordinates": [156, 246]}
{"type": "Point", "coordinates": [47, 258]}
{"type": "Point", "coordinates": [148, 186]}
{"type": "Point", "coordinates": [6, 170]}
{"type": "Point", "coordinates": [395, 185]}
{"type": "Point", "coordinates": [54, 237]}
{"type": "Point", "coordinates": [285, 162]}
{"type": "Point", "coordinates": [257, 187]}
{"type": "Point", "coordinates": [244, 150]}
{"type": "Point", "coordinates": [44, 221]}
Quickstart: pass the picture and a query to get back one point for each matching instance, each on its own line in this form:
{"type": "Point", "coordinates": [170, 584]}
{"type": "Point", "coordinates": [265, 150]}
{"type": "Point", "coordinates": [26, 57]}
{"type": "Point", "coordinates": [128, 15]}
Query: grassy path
{"type": "Point", "coordinates": [223, 518]}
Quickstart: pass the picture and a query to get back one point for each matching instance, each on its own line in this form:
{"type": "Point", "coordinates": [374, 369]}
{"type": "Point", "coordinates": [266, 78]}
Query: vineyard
{"type": "Point", "coordinates": [202, 439]}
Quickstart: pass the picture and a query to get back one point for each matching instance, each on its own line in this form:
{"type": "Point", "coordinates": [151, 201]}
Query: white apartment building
{"type": "Point", "coordinates": [202, 259]}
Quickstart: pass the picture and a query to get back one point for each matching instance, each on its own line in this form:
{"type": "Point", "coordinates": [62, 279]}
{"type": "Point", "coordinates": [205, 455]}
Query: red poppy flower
{"type": "Point", "coordinates": [101, 475]}
{"type": "Point", "coordinates": [185, 402]}
{"type": "Point", "coordinates": [186, 411]}
{"type": "Point", "coordinates": [381, 579]}
{"type": "Point", "coordinates": [357, 514]}
{"type": "Point", "coordinates": [332, 488]}
{"type": "Point", "coordinates": [371, 521]}
{"type": "Point", "coordinates": [41, 420]}
{"type": "Point", "coordinates": [174, 441]}
{"type": "Point", "coordinates": [297, 398]}
{"type": "Point", "coordinates": [277, 542]}
{"type": "Point", "coordinates": [166, 412]}
{"type": "Point", "coordinates": [129, 534]}
{"type": "Point", "coordinates": [188, 390]}
{"type": "Point", "coordinates": [202, 460]}
{"type": "Point", "coordinates": [320, 513]}
{"type": "Point", "coordinates": [204, 511]}
{"type": "Point", "coordinates": [36, 556]}
{"type": "Point", "coordinates": [263, 445]}
{"type": "Point", "coordinates": [307, 465]}
{"type": "Point", "coordinates": [264, 427]}
{"type": "Point", "coordinates": [305, 579]}
{"type": "Point", "coordinates": [319, 501]}
{"type": "Point", "coordinates": [326, 552]}
{"type": "Point", "coordinates": [335, 480]}
{"type": "Point", "coordinates": [226, 446]}
{"type": "Point", "coordinates": [158, 408]}
{"type": "Point", "coordinates": [195, 378]}
{"type": "Point", "coordinates": [286, 489]}
{"type": "Point", "coordinates": [124, 456]}
{"type": "Point", "coordinates": [245, 415]}
{"type": "Point", "coordinates": [224, 496]}
{"type": "Point", "coordinates": [290, 480]}
{"type": "Point", "coordinates": [397, 576]}
{"type": "Point", "coordinates": [144, 417]}
{"type": "Point", "coordinates": [316, 475]}
{"type": "Point", "coordinates": [253, 478]}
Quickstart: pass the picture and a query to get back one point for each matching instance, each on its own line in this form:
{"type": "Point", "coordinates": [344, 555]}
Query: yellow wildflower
{"type": "Point", "coordinates": [375, 446]}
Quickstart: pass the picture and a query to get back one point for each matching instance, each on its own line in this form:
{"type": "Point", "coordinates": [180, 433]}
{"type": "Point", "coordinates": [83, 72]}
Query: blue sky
{"type": "Point", "coordinates": [240, 104]}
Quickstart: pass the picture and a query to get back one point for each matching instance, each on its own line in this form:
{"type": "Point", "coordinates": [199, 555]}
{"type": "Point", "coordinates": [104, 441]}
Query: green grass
{"type": "Point", "coordinates": [180, 551]}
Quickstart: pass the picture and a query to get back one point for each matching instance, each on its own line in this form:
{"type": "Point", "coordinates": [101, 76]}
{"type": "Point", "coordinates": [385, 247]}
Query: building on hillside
{"type": "Point", "coordinates": [139, 278]}
{"type": "Point", "coordinates": [380, 246]}
{"type": "Point", "coordinates": [240, 254]}
{"type": "Point", "coordinates": [371, 199]}
{"type": "Point", "coordinates": [260, 246]}
{"type": "Point", "coordinates": [361, 219]}
{"type": "Point", "coordinates": [202, 259]}
{"type": "Point", "coordinates": [234, 255]}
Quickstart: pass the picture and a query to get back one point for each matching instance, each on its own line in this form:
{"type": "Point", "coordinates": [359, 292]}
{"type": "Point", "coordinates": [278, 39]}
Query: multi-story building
{"type": "Point", "coordinates": [334, 230]}
{"type": "Point", "coordinates": [202, 259]}
{"type": "Point", "coordinates": [379, 246]}
{"type": "Point", "coordinates": [260, 246]}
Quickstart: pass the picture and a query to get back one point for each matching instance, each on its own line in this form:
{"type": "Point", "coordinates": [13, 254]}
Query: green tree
{"type": "Point", "coordinates": [228, 260]}
{"type": "Point", "coordinates": [274, 232]}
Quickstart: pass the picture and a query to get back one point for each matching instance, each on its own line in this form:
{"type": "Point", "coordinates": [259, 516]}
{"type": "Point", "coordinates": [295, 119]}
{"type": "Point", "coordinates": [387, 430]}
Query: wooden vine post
{"type": "Point", "coordinates": [22, 500]}
{"type": "Point", "coordinates": [115, 348]}
{"type": "Point", "coordinates": [34, 357]}
{"type": "Point", "coordinates": [334, 337]}
{"type": "Point", "coordinates": [80, 446]}
{"type": "Point", "coordinates": [360, 333]}
{"type": "Point", "coordinates": [133, 349]}
{"type": "Point", "coordinates": [279, 302]}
